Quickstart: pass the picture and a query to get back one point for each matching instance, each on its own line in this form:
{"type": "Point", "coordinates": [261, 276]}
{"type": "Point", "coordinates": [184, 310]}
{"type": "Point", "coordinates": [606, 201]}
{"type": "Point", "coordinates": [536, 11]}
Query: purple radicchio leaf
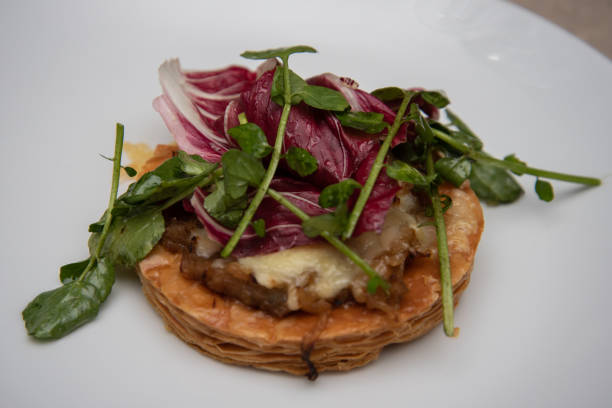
{"type": "Point", "coordinates": [199, 106]}
{"type": "Point", "coordinates": [338, 151]}
{"type": "Point", "coordinates": [380, 200]}
{"type": "Point", "coordinates": [362, 101]}
{"type": "Point", "coordinates": [283, 228]}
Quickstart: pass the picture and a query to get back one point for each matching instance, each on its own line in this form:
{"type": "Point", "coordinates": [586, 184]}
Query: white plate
{"type": "Point", "coordinates": [535, 328]}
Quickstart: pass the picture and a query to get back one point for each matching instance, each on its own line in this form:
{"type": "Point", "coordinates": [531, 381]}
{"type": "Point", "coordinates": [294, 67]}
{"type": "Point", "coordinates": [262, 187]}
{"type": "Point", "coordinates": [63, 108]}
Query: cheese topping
{"type": "Point", "coordinates": [324, 269]}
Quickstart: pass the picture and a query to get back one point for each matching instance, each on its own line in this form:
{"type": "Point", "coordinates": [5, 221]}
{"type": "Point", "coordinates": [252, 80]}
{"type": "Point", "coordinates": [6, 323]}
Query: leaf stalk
{"type": "Point", "coordinates": [375, 279]}
{"type": "Point", "coordinates": [375, 171]}
{"type": "Point", "coordinates": [273, 164]}
{"type": "Point", "coordinates": [443, 256]}
{"type": "Point", "coordinates": [514, 166]}
{"type": "Point", "coordinates": [119, 134]}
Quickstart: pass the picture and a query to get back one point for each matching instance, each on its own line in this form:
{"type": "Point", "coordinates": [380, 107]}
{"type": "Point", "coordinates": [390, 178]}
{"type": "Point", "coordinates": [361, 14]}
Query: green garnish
{"type": "Point", "coordinates": [339, 193]}
{"type": "Point", "coordinates": [369, 122]}
{"type": "Point", "coordinates": [260, 227]}
{"type": "Point", "coordinates": [301, 161]}
{"type": "Point", "coordinates": [251, 139]}
{"type": "Point", "coordinates": [130, 227]}
{"type": "Point", "coordinates": [376, 167]}
{"type": "Point", "coordinates": [57, 312]}
{"type": "Point", "coordinates": [284, 54]}
{"type": "Point", "coordinates": [490, 178]}
{"type": "Point", "coordinates": [462, 158]}
{"type": "Point", "coordinates": [446, 284]}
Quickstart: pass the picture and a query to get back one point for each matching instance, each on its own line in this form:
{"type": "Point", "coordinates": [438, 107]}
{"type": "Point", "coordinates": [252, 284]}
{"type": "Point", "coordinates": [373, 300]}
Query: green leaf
{"type": "Point", "coordinates": [324, 98]}
{"type": "Point", "coordinates": [436, 98]}
{"type": "Point", "coordinates": [513, 159]}
{"type": "Point", "coordinates": [251, 139]}
{"type": "Point", "coordinates": [240, 170]}
{"type": "Point", "coordinates": [277, 52]}
{"type": "Point", "coordinates": [71, 272]}
{"type": "Point", "coordinates": [369, 122]}
{"type": "Point", "coordinates": [57, 312]}
{"type": "Point", "coordinates": [102, 277]}
{"type": "Point", "coordinates": [97, 226]}
{"type": "Point", "coordinates": [223, 208]}
{"type": "Point", "coordinates": [130, 239]}
{"type": "Point", "coordinates": [169, 179]}
{"type": "Point", "coordinates": [411, 152]}
{"type": "Point", "coordinates": [455, 170]}
{"type": "Point", "coordinates": [469, 140]}
{"type": "Point", "coordinates": [460, 124]}
{"type": "Point", "coordinates": [314, 226]}
{"type": "Point", "coordinates": [544, 190]}
{"type": "Point", "coordinates": [422, 125]}
{"type": "Point", "coordinates": [375, 282]}
{"type": "Point", "coordinates": [260, 227]}
{"type": "Point", "coordinates": [194, 165]}
{"type": "Point", "coordinates": [316, 96]}
{"type": "Point", "coordinates": [277, 92]}
{"type": "Point", "coordinates": [301, 161]}
{"type": "Point", "coordinates": [402, 171]}
{"type": "Point", "coordinates": [130, 171]}
{"type": "Point", "coordinates": [389, 94]}
{"type": "Point", "coordinates": [446, 201]}
{"type": "Point", "coordinates": [493, 184]}
{"type": "Point", "coordinates": [339, 193]}
{"type": "Point", "coordinates": [148, 185]}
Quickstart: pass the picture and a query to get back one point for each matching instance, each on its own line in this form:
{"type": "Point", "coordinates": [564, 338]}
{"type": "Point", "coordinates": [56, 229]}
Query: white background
{"type": "Point", "coordinates": [535, 327]}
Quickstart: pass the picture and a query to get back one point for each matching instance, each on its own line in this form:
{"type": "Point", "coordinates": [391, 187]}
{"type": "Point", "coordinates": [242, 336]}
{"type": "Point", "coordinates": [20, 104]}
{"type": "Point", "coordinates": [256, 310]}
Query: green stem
{"type": "Point", "coordinates": [514, 166]}
{"type": "Point", "coordinates": [242, 119]}
{"type": "Point", "coordinates": [521, 168]}
{"type": "Point", "coordinates": [267, 179]}
{"type": "Point", "coordinates": [375, 279]}
{"type": "Point", "coordinates": [376, 168]}
{"type": "Point", "coordinates": [449, 140]}
{"type": "Point", "coordinates": [206, 180]}
{"type": "Point", "coordinates": [443, 257]}
{"type": "Point", "coordinates": [111, 201]}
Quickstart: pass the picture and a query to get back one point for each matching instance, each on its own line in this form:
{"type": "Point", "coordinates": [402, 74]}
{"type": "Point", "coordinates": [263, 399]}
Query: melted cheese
{"type": "Point", "coordinates": [321, 267]}
{"type": "Point", "coordinates": [326, 271]}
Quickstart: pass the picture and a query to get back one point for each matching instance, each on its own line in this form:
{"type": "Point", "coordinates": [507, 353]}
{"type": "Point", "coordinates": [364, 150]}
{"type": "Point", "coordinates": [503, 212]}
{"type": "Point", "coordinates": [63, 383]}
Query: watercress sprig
{"type": "Point", "coordinates": [446, 284]}
{"type": "Point", "coordinates": [375, 170]}
{"type": "Point", "coordinates": [55, 313]}
{"type": "Point", "coordinates": [402, 171]}
{"type": "Point", "coordinates": [130, 227]}
{"type": "Point", "coordinates": [488, 175]}
{"type": "Point", "coordinates": [284, 54]}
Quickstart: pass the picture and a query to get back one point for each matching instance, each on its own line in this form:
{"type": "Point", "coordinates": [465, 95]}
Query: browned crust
{"type": "Point", "coordinates": [231, 332]}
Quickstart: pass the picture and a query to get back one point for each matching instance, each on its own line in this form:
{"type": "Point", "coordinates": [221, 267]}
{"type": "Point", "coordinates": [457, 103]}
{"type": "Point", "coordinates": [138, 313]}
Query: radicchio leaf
{"type": "Point", "coordinates": [361, 101]}
{"type": "Point", "coordinates": [199, 106]}
{"type": "Point", "coordinates": [337, 150]}
{"type": "Point", "coordinates": [380, 200]}
{"type": "Point", "coordinates": [283, 228]}
{"type": "Point", "coordinates": [214, 229]}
